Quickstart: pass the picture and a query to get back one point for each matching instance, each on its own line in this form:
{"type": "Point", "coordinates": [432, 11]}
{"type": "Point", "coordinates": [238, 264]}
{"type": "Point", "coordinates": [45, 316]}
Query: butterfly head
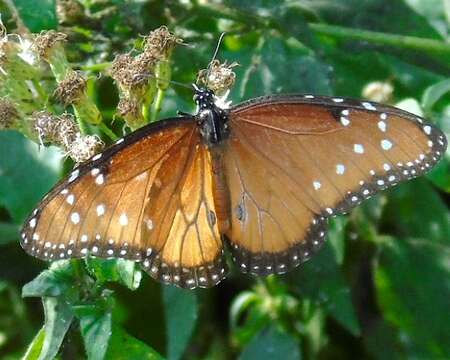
{"type": "Point", "coordinates": [204, 97]}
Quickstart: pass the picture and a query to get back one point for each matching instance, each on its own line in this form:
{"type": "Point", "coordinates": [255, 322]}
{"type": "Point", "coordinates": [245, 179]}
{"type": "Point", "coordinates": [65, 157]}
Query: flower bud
{"type": "Point", "coordinates": [378, 91]}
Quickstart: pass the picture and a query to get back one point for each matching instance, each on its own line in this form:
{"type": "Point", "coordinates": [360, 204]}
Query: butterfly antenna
{"type": "Point", "coordinates": [219, 42]}
{"type": "Point", "coordinates": [166, 80]}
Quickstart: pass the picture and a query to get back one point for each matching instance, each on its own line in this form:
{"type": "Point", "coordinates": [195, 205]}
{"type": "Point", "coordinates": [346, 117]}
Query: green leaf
{"type": "Point", "coordinates": [8, 233]}
{"type": "Point", "coordinates": [181, 310]}
{"type": "Point", "coordinates": [272, 343]}
{"type": "Point", "coordinates": [433, 11]}
{"type": "Point", "coordinates": [433, 93]}
{"type": "Point", "coordinates": [35, 348]}
{"type": "Point", "coordinates": [240, 305]}
{"type": "Point", "coordinates": [336, 237]}
{"type": "Point", "coordinates": [37, 18]}
{"type": "Point", "coordinates": [123, 271]}
{"type": "Point", "coordinates": [415, 209]}
{"type": "Point", "coordinates": [96, 327]}
{"type": "Point", "coordinates": [440, 175]}
{"type": "Point", "coordinates": [393, 17]}
{"type": "Point", "coordinates": [125, 347]}
{"type": "Point", "coordinates": [58, 318]}
{"type": "Point", "coordinates": [413, 291]}
{"type": "Point", "coordinates": [279, 66]}
{"type": "Point", "coordinates": [55, 281]}
{"type": "Point", "coordinates": [27, 173]}
{"type": "Point", "coordinates": [321, 280]}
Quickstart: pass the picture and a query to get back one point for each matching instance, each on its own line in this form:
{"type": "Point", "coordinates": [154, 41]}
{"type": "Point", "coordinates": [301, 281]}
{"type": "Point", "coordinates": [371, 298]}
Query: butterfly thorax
{"type": "Point", "coordinates": [211, 119]}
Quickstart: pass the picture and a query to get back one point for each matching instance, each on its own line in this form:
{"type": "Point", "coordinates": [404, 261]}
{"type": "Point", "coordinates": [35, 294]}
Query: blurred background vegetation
{"type": "Point", "coordinates": [380, 287]}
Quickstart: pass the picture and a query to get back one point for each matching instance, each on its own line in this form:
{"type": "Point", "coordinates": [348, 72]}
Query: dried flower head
{"type": "Point", "coordinates": [71, 89]}
{"type": "Point", "coordinates": [46, 41]}
{"type": "Point", "coordinates": [60, 130]}
{"type": "Point", "coordinates": [379, 91]}
{"type": "Point", "coordinates": [131, 111]}
{"type": "Point", "coordinates": [218, 77]}
{"type": "Point", "coordinates": [84, 147]}
{"type": "Point", "coordinates": [69, 11]}
{"type": "Point", "coordinates": [130, 72]}
{"type": "Point", "coordinates": [67, 130]}
{"type": "Point", "coordinates": [160, 42]}
{"type": "Point", "coordinates": [8, 114]}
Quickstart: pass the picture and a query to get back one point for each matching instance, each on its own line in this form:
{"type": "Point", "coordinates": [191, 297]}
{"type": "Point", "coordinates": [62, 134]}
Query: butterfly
{"type": "Point", "coordinates": [261, 179]}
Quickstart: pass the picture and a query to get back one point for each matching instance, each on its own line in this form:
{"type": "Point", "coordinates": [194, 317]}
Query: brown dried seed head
{"type": "Point", "coordinates": [7, 49]}
{"type": "Point", "coordinates": [8, 114]}
{"type": "Point", "coordinates": [218, 77]}
{"type": "Point", "coordinates": [46, 41]}
{"type": "Point", "coordinates": [84, 147]}
{"type": "Point", "coordinates": [67, 129]}
{"type": "Point", "coordinates": [45, 124]}
{"type": "Point", "coordinates": [160, 43]}
{"type": "Point", "coordinates": [69, 11]}
{"type": "Point", "coordinates": [129, 108]}
{"type": "Point", "coordinates": [60, 130]}
{"type": "Point", "coordinates": [131, 72]}
{"type": "Point", "coordinates": [71, 89]}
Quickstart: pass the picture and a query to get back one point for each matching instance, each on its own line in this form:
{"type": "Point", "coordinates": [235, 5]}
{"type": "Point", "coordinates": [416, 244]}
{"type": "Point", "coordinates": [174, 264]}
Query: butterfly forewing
{"type": "Point", "coordinates": [106, 207]}
{"type": "Point", "coordinates": [294, 161]}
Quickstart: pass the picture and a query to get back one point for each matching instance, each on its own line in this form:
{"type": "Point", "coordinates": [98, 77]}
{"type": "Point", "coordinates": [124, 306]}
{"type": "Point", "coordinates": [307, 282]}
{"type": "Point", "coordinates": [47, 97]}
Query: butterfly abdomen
{"type": "Point", "coordinates": [220, 189]}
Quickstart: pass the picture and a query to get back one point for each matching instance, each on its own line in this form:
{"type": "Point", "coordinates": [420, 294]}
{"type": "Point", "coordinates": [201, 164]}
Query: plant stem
{"type": "Point", "coordinates": [43, 97]}
{"type": "Point", "coordinates": [107, 131]}
{"type": "Point", "coordinates": [96, 67]}
{"type": "Point", "coordinates": [400, 41]}
{"type": "Point", "coordinates": [158, 104]}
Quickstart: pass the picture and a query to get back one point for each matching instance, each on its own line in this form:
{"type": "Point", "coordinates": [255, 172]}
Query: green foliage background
{"type": "Point", "coordinates": [380, 287]}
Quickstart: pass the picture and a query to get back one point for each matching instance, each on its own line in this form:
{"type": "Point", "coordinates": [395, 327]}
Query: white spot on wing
{"type": "Point", "coordinates": [382, 125]}
{"type": "Point", "coordinates": [123, 219]}
{"type": "Point", "coordinates": [70, 199]}
{"type": "Point", "coordinates": [386, 144]}
{"type": "Point", "coordinates": [317, 185]}
{"type": "Point", "coordinates": [345, 121]}
{"type": "Point", "coordinates": [368, 106]}
{"type": "Point", "coordinates": [358, 148]}
{"type": "Point", "coordinates": [340, 169]}
{"type": "Point", "coordinates": [74, 175]}
{"type": "Point", "coordinates": [75, 218]}
{"type": "Point", "coordinates": [100, 179]}
{"type": "Point", "coordinates": [100, 210]}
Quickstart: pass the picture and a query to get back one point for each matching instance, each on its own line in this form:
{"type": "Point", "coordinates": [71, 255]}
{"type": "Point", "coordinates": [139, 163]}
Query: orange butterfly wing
{"type": "Point", "coordinates": [292, 162]}
{"type": "Point", "coordinates": [113, 205]}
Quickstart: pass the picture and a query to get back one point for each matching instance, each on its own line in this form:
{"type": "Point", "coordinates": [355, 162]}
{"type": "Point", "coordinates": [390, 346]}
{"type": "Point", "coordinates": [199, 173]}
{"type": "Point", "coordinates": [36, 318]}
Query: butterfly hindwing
{"type": "Point", "coordinates": [185, 241]}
